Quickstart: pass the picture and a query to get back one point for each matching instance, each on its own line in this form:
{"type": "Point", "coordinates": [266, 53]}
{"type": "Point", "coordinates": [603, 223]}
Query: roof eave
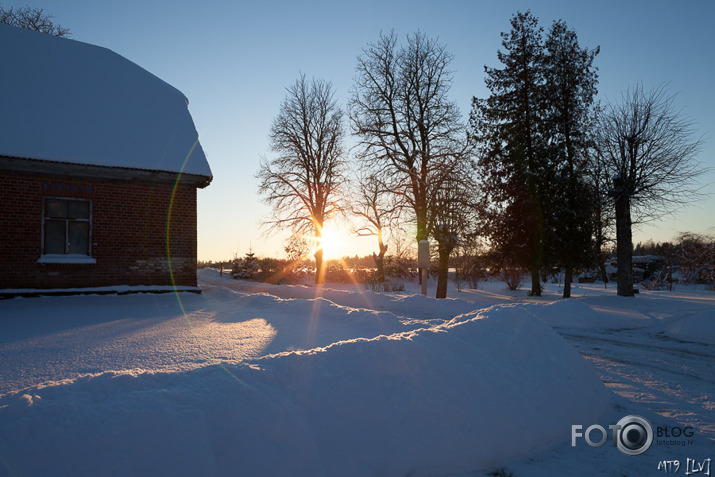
{"type": "Point", "coordinates": [85, 171]}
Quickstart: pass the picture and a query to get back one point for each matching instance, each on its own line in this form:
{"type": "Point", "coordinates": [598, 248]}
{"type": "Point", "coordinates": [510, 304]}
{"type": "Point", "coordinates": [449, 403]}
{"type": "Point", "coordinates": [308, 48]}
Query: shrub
{"type": "Point", "coordinates": [270, 265]}
{"type": "Point", "coordinates": [398, 267]}
{"type": "Point", "coordinates": [458, 280]}
{"type": "Point", "coordinates": [470, 273]}
{"type": "Point", "coordinates": [372, 284]}
{"type": "Point", "coordinates": [336, 273]}
{"type": "Point", "coordinates": [502, 472]}
{"type": "Point", "coordinates": [513, 277]}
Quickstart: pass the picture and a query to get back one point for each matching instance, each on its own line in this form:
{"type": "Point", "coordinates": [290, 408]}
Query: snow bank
{"type": "Point", "coordinates": [57, 338]}
{"type": "Point", "coordinates": [305, 324]}
{"type": "Point", "coordinates": [414, 306]}
{"type": "Point", "coordinates": [457, 397]}
{"type": "Point", "coordinates": [697, 327]}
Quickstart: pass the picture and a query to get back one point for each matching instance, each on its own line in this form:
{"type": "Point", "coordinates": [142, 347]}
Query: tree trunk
{"type": "Point", "coordinates": [604, 274]}
{"type": "Point", "coordinates": [443, 271]}
{"type": "Point", "coordinates": [568, 278]}
{"type": "Point", "coordinates": [380, 259]}
{"type": "Point", "coordinates": [421, 230]}
{"type": "Point", "coordinates": [535, 282]}
{"type": "Point", "coordinates": [319, 267]}
{"type": "Point", "coordinates": [419, 270]}
{"type": "Point", "coordinates": [624, 245]}
{"type": "Point", "coordinates": [380, 265]}
{"type": "Point", "coordinates": [537, 248]}
{"type": "Point", "coordinates": [536, 260]}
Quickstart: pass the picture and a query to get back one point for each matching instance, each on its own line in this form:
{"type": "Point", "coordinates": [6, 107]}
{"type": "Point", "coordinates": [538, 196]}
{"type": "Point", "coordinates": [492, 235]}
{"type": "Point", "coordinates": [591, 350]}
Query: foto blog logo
{"type": "Point", "coordinates": [633, 435]}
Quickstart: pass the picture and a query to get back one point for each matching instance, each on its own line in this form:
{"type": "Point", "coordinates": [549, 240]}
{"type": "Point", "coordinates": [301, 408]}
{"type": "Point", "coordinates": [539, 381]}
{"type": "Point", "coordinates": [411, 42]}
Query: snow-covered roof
{"type": "Point", "coordinates": [67, 101]}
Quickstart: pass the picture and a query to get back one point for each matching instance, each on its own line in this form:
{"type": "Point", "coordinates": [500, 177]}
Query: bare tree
{"type": "Point", "coordinates": [31, 18]}
{"type": "Point", "coordinates": [377, 211]}
{"type": "Point", "coordinates": [409, 130]}
{"type": "Point", "coordinates": [303, 181]}
{"type": "Point", "coordinates": [696, 254]}
{"type": "Point", "coordinates": [648, 151]}
{"type": "Point", "coordinates": [407, 126]}
{"type": "Point", "coordinates": [453, 219]}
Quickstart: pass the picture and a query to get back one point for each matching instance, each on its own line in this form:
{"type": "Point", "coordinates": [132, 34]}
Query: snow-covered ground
{"type": "Point", "coordinates": [256, 379]}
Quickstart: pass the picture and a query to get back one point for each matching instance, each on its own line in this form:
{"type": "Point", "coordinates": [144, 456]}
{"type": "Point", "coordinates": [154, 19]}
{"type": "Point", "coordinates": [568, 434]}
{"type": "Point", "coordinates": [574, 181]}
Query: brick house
{"type": "Point", "coordinates": [99, 169]}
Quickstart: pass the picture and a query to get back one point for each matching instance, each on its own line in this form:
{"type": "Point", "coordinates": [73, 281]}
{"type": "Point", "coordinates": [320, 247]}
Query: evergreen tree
{"type": "Point", "coordinates": [534, 135]}
{"type": "Point", "coordinates": [571, 83]}
{"type": "Point", "coordinates": [508, 129]}
{"type": "Point", "coordinates": [245, 267]}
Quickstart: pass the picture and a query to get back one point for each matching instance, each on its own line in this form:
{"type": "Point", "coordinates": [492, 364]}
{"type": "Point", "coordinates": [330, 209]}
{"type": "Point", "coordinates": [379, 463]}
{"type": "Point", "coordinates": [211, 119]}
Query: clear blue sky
{"type": "Point", "coordinates": [233, 60]}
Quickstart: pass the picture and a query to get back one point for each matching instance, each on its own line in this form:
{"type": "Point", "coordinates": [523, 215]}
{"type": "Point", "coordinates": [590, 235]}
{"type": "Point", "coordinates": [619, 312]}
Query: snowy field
{"type": "Point", "coordinates": [255, 379]}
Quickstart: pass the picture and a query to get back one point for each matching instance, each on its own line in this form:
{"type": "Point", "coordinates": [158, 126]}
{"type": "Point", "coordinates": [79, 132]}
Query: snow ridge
{"type": "Point", "coordinates": [419, 402]}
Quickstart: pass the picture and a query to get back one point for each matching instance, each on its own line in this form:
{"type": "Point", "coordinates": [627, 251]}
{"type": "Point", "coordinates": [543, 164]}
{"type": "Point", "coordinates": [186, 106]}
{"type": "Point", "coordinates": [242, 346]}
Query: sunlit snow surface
{"type": "Point", "coordinates": [256, 379]}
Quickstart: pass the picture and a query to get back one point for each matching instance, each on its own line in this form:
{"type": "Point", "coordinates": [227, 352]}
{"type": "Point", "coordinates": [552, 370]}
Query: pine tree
{"type": "Point", "coordinates": [535, 132]}
{"type": "Point", "coordinates": [571, 83]}
{"type": "Point", "coordinates": [508, 132]}
{"type": "Point", "coordinates": [245, 267]}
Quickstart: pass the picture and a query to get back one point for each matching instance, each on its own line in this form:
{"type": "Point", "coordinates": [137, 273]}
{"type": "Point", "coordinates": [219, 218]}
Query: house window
{"type": "Point", "coordinates": [66, 229]}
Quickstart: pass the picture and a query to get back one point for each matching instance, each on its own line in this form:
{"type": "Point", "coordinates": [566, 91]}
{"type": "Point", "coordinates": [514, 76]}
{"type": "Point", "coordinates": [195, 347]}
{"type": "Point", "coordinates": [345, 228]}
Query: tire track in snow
{"type": "Point", "coordinates": [673, 378]}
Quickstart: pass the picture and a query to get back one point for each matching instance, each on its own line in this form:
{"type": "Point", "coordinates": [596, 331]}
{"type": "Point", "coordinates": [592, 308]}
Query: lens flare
{"type": "Point", "coordinates": [171, 271]}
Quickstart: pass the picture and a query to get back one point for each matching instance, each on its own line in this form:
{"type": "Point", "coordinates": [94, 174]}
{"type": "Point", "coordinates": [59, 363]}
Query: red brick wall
{"type": "Point", "coordinates": [129, 228]}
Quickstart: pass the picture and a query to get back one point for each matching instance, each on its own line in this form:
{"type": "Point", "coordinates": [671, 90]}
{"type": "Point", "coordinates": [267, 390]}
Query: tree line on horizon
{"type": "Point", "coordinates": [689, 258]}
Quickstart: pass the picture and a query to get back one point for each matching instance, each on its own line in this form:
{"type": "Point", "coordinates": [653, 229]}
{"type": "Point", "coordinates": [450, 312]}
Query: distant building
{"type": "Point", "coordinates": [99, 166]}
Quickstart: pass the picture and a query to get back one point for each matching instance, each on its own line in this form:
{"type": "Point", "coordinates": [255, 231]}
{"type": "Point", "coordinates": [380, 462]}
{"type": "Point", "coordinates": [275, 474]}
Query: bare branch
{"type": "Point", "coordinates": [648, 144]}
{"type": "Point", "coordinates": [410, 133]}
{"type": "Point", "coordinates": [31, 18]}
{"type": "Point", "coordinates": [303, 182]}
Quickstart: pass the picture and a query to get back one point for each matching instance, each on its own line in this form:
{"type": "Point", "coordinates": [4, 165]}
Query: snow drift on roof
{"type": "Point", "coordinates": [68, 101]}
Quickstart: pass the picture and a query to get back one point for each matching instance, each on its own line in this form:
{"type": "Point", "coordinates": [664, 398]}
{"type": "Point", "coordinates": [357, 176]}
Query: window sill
{"type": "Point", "coordinates": [68, 258]}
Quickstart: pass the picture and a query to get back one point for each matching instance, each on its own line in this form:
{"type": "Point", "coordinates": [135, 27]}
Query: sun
{"type": "Point", "coordinates": [332, 244]}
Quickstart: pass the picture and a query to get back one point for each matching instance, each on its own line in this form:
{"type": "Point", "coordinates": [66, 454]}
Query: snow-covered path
{"type": "Point", "coordinates": [670, 382]}
{"type": "Point", "coordinates": [672, 378]}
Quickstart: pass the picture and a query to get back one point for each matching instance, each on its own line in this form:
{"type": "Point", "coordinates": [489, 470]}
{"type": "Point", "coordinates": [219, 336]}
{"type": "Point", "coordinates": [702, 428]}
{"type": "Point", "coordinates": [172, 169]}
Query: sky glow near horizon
{"type": "Point", "coordinates": [233, 61]}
